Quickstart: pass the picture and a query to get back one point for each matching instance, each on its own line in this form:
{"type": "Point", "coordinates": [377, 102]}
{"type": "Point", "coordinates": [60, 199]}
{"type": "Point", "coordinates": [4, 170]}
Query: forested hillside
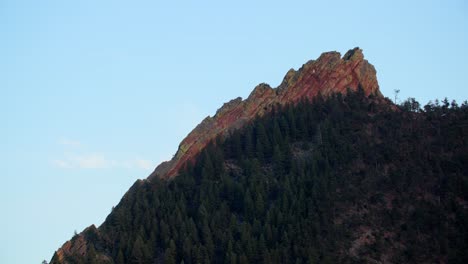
{"type": "Point", "coordinates": [343, 179]}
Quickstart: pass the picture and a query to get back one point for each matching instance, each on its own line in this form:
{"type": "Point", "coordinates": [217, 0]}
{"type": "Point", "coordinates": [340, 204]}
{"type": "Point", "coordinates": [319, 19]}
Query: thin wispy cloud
{"type": "Point", "coordinates": [99, 161]}
{"type": "Point", "coordinates": [93, 161]}
{"type": "Point", "coordinates": [144, 164]}
{"type": "Point", "coordinates": [84, 161]}
{"type": "Point", "coordinates": [75, 158]}
{"type": "Point", "coordinates": [69, 143]}
{"type": "Point", "coordinates": [61, 164]}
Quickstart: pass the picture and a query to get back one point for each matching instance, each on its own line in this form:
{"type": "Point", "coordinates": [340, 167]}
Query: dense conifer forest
{"type": "Point", "coordinates": [343, 179]}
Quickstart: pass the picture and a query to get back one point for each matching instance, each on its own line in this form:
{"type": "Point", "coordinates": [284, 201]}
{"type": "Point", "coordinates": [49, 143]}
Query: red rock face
{"type": "Point", "coordinates": [330, 73]}
{"type": "Point", "coordinates": [79, 246]}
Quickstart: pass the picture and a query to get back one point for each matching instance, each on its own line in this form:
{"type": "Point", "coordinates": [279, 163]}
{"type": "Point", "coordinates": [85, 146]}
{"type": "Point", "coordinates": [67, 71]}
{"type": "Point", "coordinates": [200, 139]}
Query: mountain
{"type": "Point", "coordinates": [321, 169]}
{"type": "Point", "coordinates": [330, 73]}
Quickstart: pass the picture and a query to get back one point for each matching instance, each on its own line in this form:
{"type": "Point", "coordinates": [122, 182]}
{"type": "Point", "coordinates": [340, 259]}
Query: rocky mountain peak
{"type": "Point", "coordinates": [354, 54]}
{"type": "Point", "coordinates": [328, 74]}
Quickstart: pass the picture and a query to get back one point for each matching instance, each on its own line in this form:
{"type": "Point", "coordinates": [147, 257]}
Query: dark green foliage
{"type": "Point", "coordinates": [338, 180]}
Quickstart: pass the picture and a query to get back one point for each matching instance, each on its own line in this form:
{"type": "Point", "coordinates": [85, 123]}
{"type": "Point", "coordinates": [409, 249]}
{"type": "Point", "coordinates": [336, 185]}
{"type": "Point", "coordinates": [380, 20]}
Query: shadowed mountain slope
{"type": "Point", "coordinates": [314, 171]}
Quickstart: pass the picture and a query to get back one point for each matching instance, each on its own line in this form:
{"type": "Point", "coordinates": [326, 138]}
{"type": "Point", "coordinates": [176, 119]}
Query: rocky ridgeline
{"type": "Point", "coordinates": [330, 73]}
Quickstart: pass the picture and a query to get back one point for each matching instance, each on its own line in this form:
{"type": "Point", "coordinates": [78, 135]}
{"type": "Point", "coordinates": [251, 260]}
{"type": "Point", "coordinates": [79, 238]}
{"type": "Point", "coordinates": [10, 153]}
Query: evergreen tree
{"type": "Point", "coordinates": [299, 184]}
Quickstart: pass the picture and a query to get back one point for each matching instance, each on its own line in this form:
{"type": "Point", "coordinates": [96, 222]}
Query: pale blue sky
{"type": "Point", "coordinates": [94, 94]}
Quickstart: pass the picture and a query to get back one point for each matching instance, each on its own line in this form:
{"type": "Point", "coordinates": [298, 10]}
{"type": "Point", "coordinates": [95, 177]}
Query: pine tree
{"type": "Point", "coordinates": [120, 258]}
{"type": "Point", "coordinates": [137, 251]}
{"type": "Point", "coordinates": [170, 255]}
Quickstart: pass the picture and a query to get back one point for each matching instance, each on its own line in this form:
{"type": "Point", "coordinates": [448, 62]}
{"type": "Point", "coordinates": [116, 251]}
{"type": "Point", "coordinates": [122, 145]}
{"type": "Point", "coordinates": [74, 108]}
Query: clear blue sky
{"type": "Point", "coordinates": [95, 94]}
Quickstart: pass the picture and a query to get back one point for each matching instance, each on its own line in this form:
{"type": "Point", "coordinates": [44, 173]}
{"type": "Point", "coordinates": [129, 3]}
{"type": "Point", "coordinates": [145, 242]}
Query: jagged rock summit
{"type": "Point", "coordinates": [330, 73]}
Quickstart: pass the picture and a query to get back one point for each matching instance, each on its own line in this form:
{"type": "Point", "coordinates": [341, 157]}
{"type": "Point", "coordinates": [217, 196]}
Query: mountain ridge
{"type": "Point", "coordinates": [339, 179]}
{"type": "Point", "coordinates": [330, 73]}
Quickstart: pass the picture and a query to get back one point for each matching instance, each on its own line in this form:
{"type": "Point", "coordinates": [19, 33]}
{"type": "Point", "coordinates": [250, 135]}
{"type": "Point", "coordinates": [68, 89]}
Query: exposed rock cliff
{"type": "Point", "coordinates": [330, 73]}
{"type": "Point", "coordinates": [81, 245]}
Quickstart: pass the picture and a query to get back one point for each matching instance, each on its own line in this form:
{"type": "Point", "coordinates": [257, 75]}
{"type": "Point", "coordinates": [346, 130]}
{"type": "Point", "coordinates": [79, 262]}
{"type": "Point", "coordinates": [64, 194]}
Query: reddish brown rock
{"type": "Point", "coordinates": [79, 246]}
{"type": "Point", "coordinates": [330, 73]}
